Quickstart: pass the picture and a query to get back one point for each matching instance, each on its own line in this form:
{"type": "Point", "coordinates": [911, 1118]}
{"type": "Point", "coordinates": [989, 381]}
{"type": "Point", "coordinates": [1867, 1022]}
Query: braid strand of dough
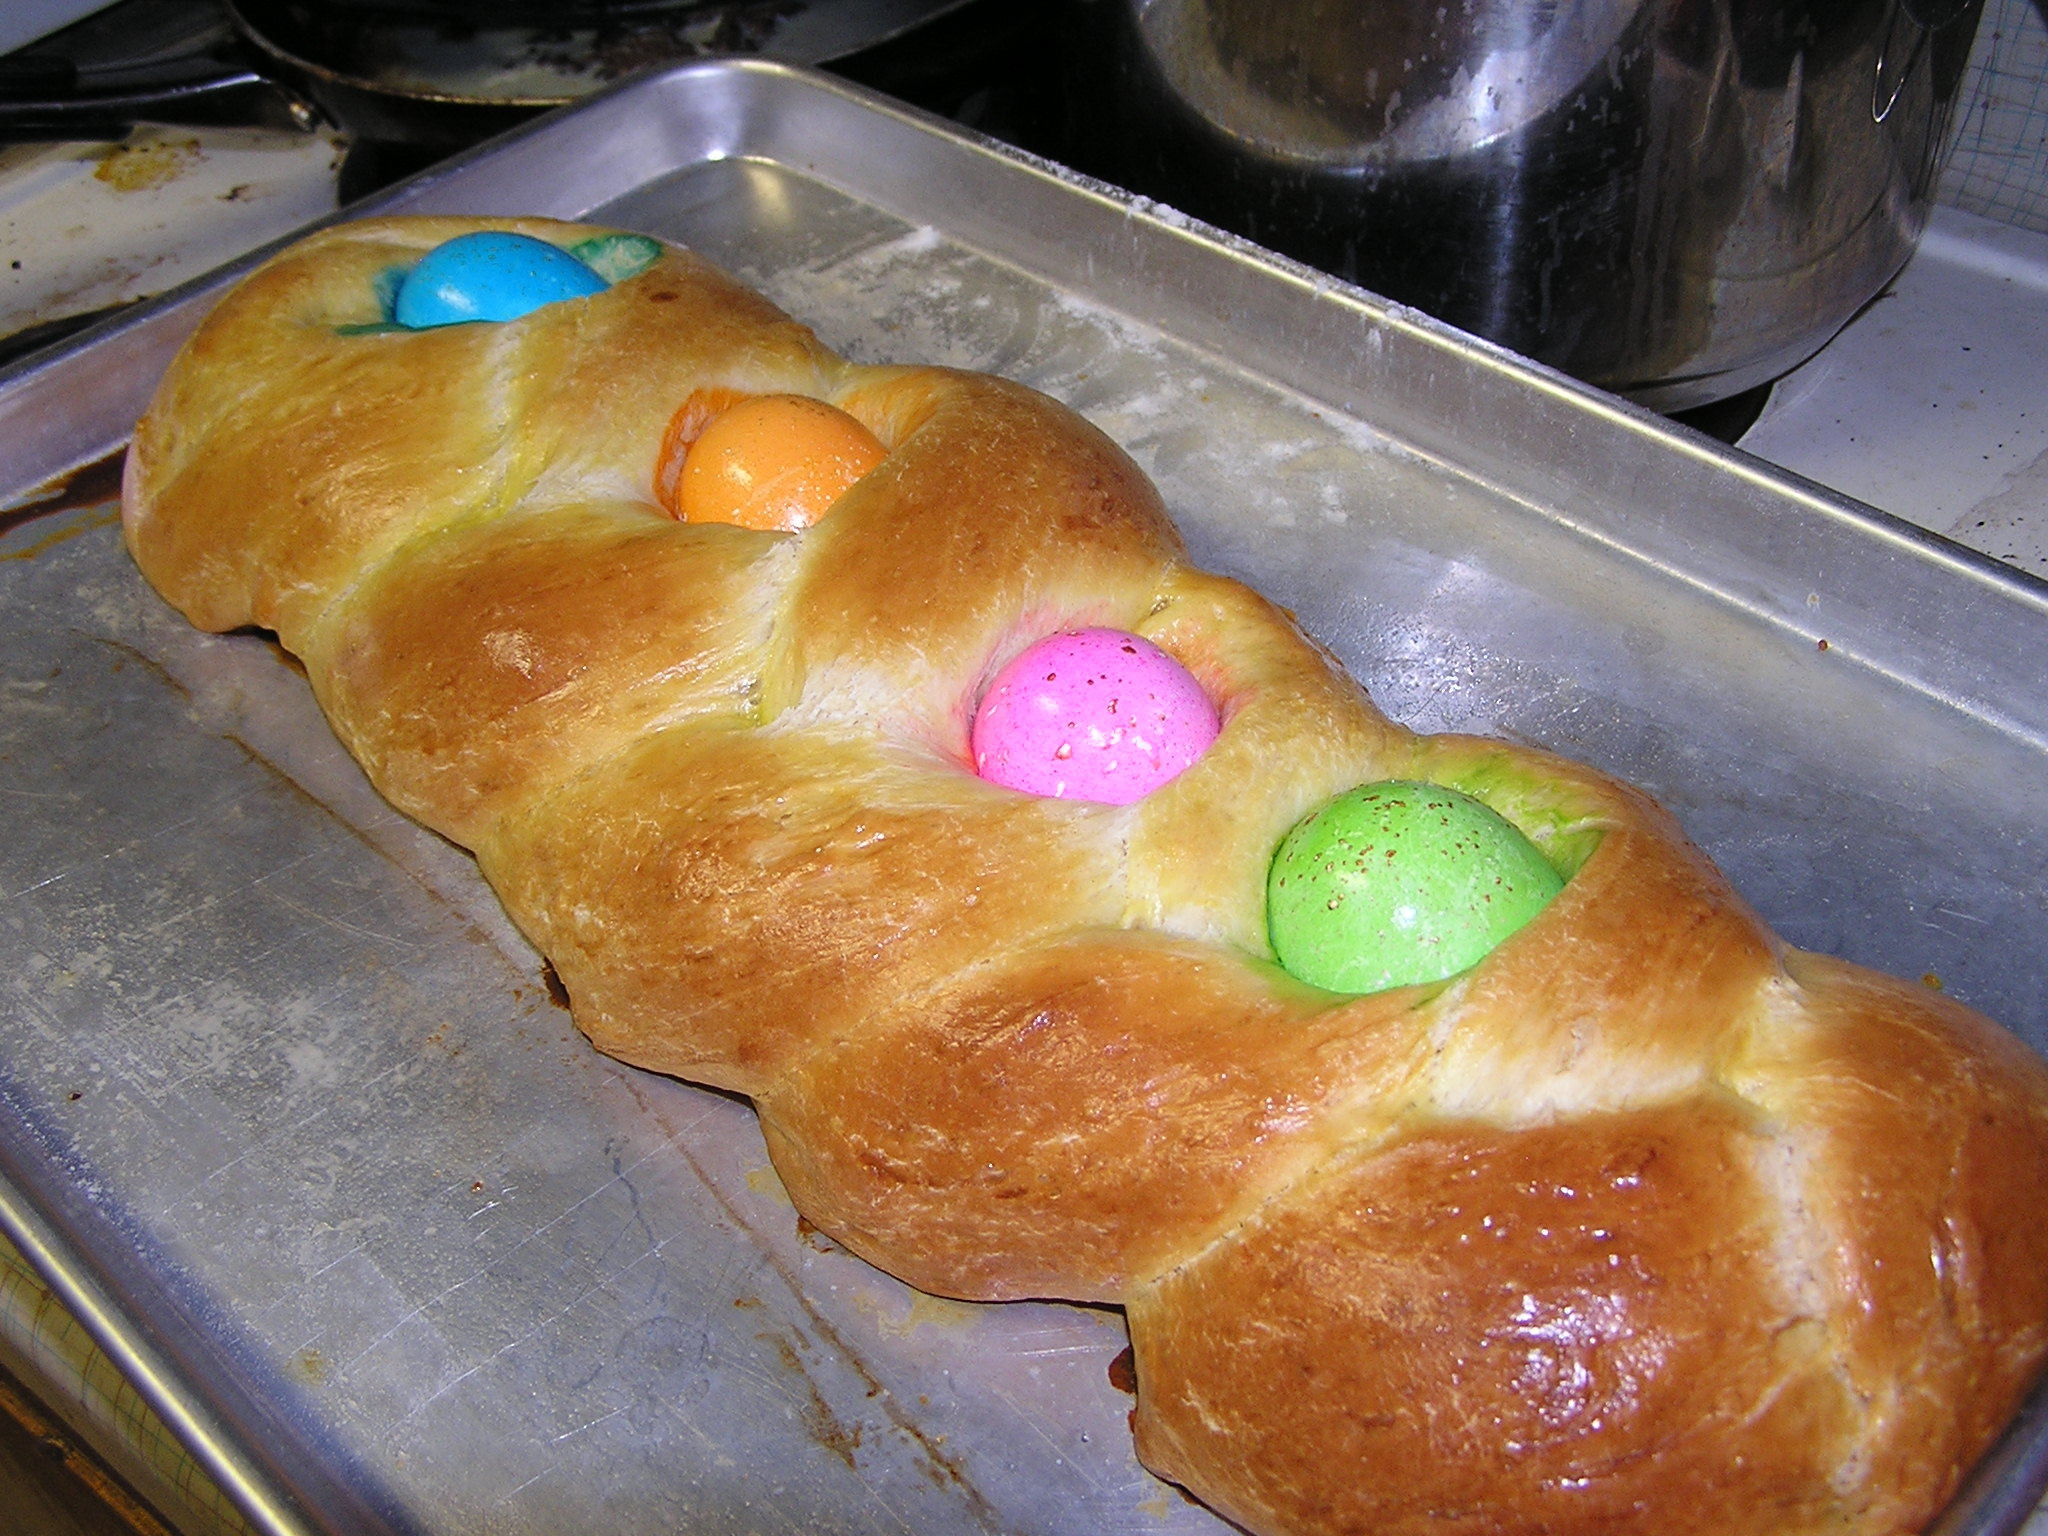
{"type": "Point", "coordinates": [1644, 1219]}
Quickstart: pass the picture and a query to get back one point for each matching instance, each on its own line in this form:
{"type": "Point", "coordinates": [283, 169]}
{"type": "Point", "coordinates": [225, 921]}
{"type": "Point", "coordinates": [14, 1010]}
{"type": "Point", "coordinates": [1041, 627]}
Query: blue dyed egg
{"type": "Point", "coordinates": [489, 275]}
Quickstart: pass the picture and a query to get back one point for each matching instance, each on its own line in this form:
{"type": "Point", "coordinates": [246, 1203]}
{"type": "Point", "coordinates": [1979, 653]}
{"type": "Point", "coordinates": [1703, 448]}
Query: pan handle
{"type": "Point", "coordinates": [40, 100]}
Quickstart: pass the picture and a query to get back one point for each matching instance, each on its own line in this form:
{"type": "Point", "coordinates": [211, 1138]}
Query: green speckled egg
{"type": "Point", "coordinates": [1396, 883]}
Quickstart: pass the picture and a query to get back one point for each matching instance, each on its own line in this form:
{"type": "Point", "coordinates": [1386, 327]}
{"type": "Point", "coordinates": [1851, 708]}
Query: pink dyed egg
{"type": "Point", "coordinates": [1095, 714]}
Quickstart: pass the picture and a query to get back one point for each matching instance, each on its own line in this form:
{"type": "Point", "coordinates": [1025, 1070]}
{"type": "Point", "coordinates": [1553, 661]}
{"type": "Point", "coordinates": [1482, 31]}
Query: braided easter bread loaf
{"type": "Point", "coordinates": [1644, 1222]}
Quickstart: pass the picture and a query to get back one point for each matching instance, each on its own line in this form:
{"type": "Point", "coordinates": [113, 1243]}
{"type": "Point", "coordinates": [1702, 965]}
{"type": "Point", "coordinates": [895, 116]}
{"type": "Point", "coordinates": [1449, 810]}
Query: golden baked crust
{"type": "Point", "coordinates": [1645, 1222]}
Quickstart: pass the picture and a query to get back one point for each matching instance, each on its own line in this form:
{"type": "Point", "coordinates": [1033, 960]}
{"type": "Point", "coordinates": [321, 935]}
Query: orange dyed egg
{"type": "Point", "coordinates": [773, 461]}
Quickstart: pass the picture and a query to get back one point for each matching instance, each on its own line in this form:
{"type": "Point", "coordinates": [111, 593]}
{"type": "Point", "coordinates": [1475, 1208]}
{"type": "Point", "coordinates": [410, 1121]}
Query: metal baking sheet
{"type": "Point", "coordinates": [289, 1112]}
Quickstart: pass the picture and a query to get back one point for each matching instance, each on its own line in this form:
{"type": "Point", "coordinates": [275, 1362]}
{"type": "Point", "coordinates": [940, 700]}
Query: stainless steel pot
{"type": "Point", "coordinates": [1676, 199]}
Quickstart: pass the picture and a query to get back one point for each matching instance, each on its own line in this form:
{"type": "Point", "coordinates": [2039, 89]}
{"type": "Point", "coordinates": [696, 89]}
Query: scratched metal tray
{"type": "Point", "coordinates": [291, 1118]}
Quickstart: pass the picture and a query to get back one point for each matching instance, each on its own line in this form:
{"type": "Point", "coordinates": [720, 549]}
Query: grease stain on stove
{"type": "Point", "coordinates": [144, 167]}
